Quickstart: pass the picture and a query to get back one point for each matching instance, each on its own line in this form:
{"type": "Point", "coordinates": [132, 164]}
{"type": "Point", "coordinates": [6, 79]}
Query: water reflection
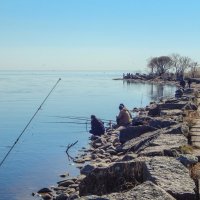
{"type": "Point", "coordinates": [154, 90]}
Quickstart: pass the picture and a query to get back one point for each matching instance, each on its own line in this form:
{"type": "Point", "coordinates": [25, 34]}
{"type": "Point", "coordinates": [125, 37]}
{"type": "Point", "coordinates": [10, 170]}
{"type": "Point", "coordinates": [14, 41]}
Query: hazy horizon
{"type": "Point", "coordinates": [95, 34]}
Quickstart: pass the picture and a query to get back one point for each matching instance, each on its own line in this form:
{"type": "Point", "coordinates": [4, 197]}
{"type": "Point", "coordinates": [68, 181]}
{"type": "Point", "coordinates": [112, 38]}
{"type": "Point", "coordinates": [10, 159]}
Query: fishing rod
{"type": "Point", "coordinates": [66, 122]}
{"type": "Point", "coordinates": [39, 108]}
{"type": "Point", "coordinates": [81, 118]}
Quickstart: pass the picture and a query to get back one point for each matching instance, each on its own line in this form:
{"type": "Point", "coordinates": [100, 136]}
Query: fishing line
{"type": "Point", "coordinates": [29, 122]}
{"type": "Point", "coordinates": [81, 118]}
{"type": "Point", "coordinates": [66, 122]}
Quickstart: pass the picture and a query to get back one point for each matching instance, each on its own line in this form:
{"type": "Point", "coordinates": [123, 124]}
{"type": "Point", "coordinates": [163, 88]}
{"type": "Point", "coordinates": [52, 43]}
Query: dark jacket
{"type": "Point", "coordinates": [97, 127]}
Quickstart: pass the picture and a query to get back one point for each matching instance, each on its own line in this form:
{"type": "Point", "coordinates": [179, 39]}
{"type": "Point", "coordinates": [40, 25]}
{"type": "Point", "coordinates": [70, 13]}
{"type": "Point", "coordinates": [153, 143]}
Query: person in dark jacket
{"type": "Point", "coordinates": [182, 83]}
{"type": "Point", "coordinates": [189, 82]}
{"type": "Point", "coordinates": [97, 127]}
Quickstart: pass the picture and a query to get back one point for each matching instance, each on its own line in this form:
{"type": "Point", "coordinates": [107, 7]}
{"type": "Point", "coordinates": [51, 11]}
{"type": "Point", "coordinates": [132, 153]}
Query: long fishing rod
{"type": "Point", "coordinates": [81, 118]}
{"type": "Point", "coordinates": [66, 122]}
{"type": "Point", "coordinates": [29, 122]}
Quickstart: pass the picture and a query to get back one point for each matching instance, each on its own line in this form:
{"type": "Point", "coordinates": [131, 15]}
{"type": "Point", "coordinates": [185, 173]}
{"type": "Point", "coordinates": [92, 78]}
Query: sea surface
{"type": "Point", "coordinates": [39, 157]}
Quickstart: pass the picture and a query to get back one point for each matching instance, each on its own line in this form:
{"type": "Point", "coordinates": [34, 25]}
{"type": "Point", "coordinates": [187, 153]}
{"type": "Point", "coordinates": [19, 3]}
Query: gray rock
{"type": "Point", "coordinates": [87, 169]}
{"type": "Point", "coordinates": [113, 178]}
{"type": "Point", "coordinates": [93, 197]}
{"type": "Point", "coordinates": [62, 197]}
{"type": "Point", "coordinates": [171, 106]}
{"type": "Point", "coordinates": [46, 196]}
{"type": "Point", "coordinates": [142, 141]}
{"type": "Point", "coordinates": [161, 123]}
{"type": "Point", "coordinates": [133, 132]}
{"type": "Point", "coordinates": [44, 190]}
{"type": "Point", "coordinates": [187, 159]}
{"type": "Point", "coordinates": [190, 106]}
{"type": "Point", "coordinates": [176, 112]}
{"type": "Point", "coordinates": [154, 110]}
{"type": "Point", "coordinates": [145, 191]}
{"type": "Point", "coordinates": [65, 183]}
{"type": "Point", "coordinates": [73, 196]}
{"type": "Point", "coordinates": [170, 140]}
{"type": "Point", "coordinates": [188, 91]}
{"type": "Point", "coordinates": [162, 140]}
{"type": "Point", "coordinates": [170, 175]}
{"type": "Point", "coordinates": [159, 151]}
{"type": "Point", "coordinates": [129, 157]}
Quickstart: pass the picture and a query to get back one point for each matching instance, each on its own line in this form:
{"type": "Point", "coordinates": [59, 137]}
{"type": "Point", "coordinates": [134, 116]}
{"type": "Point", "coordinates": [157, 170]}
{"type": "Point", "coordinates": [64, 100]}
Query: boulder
{"type": "Point", "coordinates": [188, 91]}
{"type": "Point", "coordinates": [190, 106]}
{"type": "Point", "coordinates": [157, 151]}
{"type": "Point", "coordinates": [130, 156]}
{"type": "Point", "coordinates": [138, 143]}
{"type": "Point", "coordinates": [87, 169]}
{"type": "Point", "coordinates": [114, 178]}
{"type": "Point", "coordinates": [166, 139]}
{"type": "Point", "coordinates": [44, 190]}
{"type": "Point", "coordinates": [187, 159]}
{"type": "Point", "coordinates": [62, 197]}
{"type": "Point", "coordinates": [161, 123]}
{"type": "Point", "coordinates": [171, 106]}
{"type": "Point", "coordinates": [170, 175]}
{"type": "Point", "coordinates": [154, 110]}
{"type": "Point", "coordinates": [145, 191]}
{"type": "Point", "coordinates": [175, 112]}
{"type": "Point", "coordinates": [133, 132]}
{"type": "Point", "coordinates": [65, 183]}
{"type": "Point", "coordinates": [93, 197]}
{"type": "Point", "coordinates": [170, 140]}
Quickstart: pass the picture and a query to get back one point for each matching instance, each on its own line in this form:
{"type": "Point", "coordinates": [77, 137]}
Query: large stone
{"type": "Point", "coordinates": [93, 197]}
{"type": "Point", "coordinates": [170, 140]}
{"type": "Point", "coordinates": [87, 169]}
{"type": "Point", "coordinates": [145, 191]}
{"type": "Point", "coordinates": [167, 138]}
{"type": "Point", "coordinates": [161, 123]}
{"type": "Point", "coordinates": [154, 110]}
{"type": "Point", "coordinates": [156, 151]}
{"type": "Point", "coordinates": [110, 179]}
{"type": "Point", "coordinates": [65, 183]}
{"type": "Point", "coordinates": [170, 175]}
{"type": "Point", "coordinates": [176, 112]}
{"type": "Point", "coordinates": [133, 132]}
{"type": "Point", "coordinates": [142, 141]}
{"type": "Point", "coordinates": [187, 159]}
{"type": "Point", "coordinates": [190, 106]}
{"type": "Point", "coordinates": [171, 106]}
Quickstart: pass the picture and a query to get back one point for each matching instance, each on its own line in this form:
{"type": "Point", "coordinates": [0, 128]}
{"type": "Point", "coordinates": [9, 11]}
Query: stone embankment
{"type": "Point", "coordinates": [153, 159]}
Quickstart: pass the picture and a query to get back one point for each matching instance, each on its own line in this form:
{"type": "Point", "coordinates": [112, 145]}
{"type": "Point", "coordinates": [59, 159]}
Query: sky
{"type": "Point", "coordinates": [96, 34]}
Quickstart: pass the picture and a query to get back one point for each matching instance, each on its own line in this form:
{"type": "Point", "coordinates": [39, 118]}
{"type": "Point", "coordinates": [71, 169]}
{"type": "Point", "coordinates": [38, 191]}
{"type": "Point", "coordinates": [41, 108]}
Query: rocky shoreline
{"type": "Point", "coordinates": [153, 159]}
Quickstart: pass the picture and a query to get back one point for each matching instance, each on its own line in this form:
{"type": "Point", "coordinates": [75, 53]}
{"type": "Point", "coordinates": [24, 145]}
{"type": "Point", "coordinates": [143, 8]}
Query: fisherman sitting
{"type": "Point", "coordinates": [124, 117]}
{"type": "Point", "coordinates": [97, 127]}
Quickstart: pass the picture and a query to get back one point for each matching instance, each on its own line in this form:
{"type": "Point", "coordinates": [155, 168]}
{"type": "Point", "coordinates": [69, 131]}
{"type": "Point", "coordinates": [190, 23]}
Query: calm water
{"type": "Point", "coordinates": [39, 157]}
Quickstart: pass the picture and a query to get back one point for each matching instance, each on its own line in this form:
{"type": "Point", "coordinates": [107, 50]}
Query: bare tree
{"type": "Point", "coordinates": [175, 58]}
{"type": "Point", "coordinates": [184, 64]}
{"type": "Point", "coordinates": [180, 64]}
{"type": "Point", "coordinates": [194, 68]}
{"type": "Point", "coordinates": [161, 64]}
{"type": "Point", "coordinates": [151, 65]}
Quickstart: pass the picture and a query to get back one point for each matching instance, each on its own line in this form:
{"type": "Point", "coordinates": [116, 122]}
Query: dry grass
{"type": "Point", "coordinates": [186, 149]}
{"type": "Point", "coordinates": [189, 74]}
{"type": "Point", "coordinates": [190, 121]}
{"type": "Point", "coordinates": [195, 171]}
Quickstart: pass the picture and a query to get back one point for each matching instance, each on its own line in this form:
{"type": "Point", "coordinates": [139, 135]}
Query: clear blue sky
{"type": "Point", "coordinates": [96, 34]}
